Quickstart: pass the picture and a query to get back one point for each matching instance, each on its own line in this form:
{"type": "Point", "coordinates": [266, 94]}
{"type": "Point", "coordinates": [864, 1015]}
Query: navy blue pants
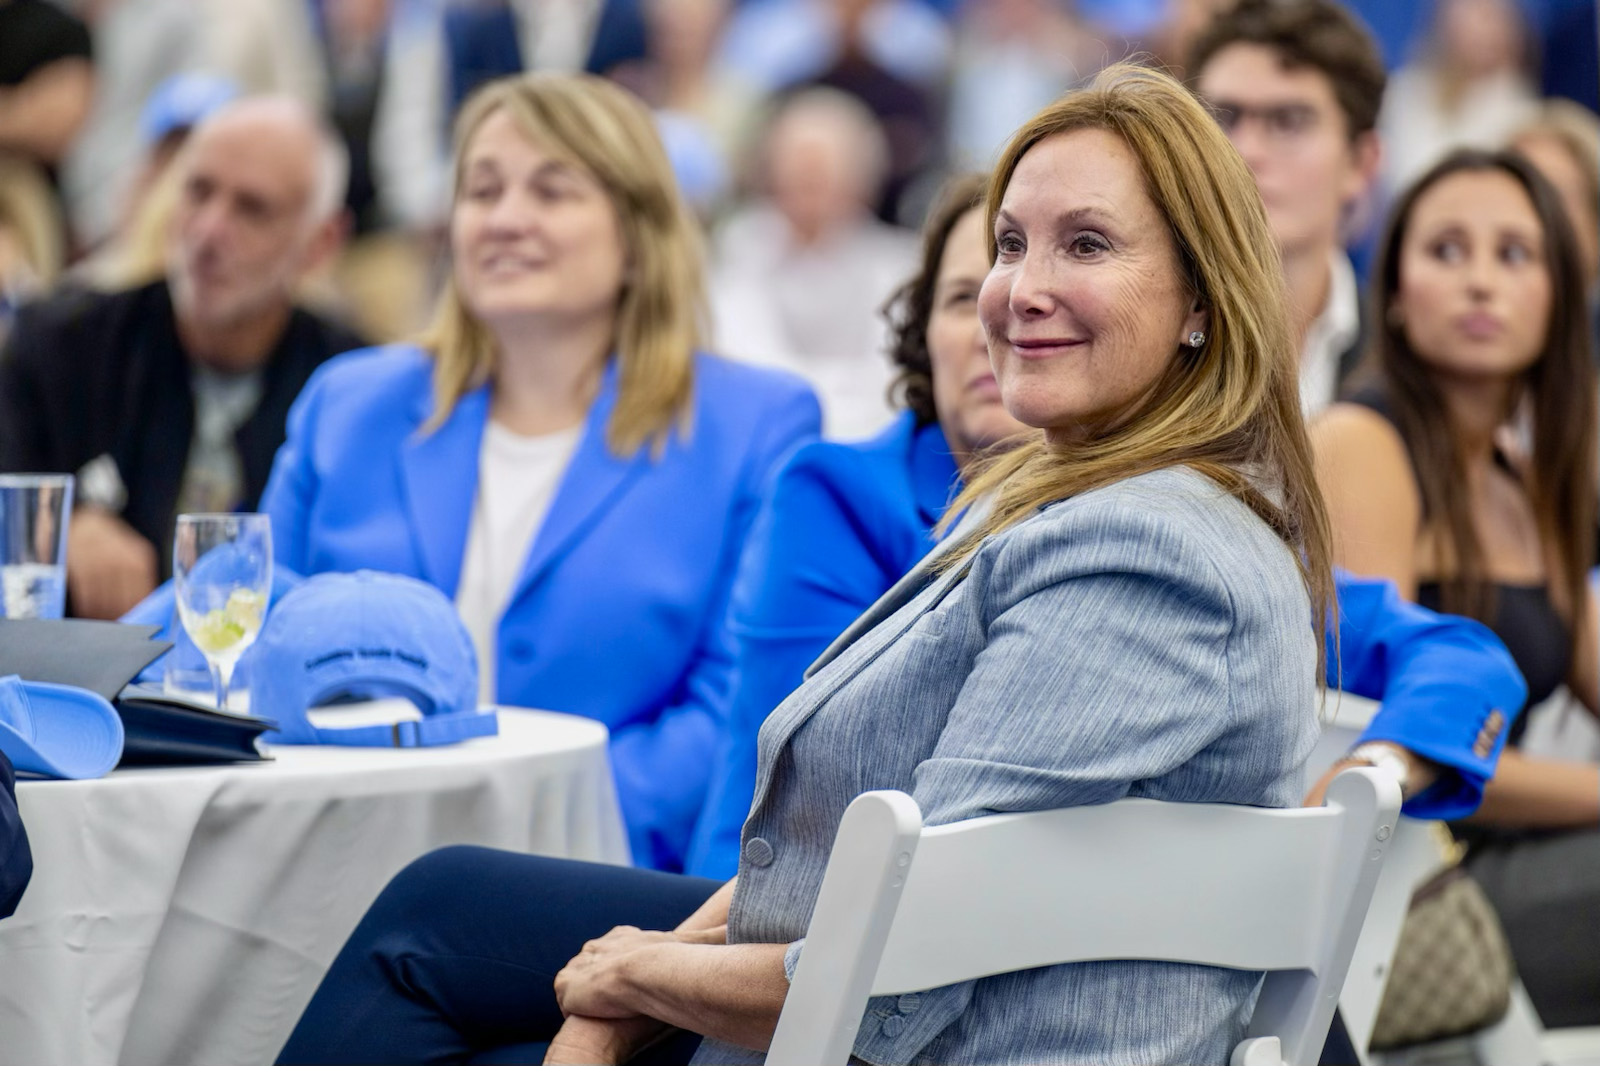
{"type": "Point", "coordinates": [456, 959]}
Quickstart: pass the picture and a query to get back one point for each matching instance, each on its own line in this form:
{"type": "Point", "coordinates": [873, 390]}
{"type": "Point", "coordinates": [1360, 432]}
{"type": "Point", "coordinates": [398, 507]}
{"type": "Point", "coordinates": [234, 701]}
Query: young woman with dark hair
{"type": "Point", "coordinates": [1464, 472]}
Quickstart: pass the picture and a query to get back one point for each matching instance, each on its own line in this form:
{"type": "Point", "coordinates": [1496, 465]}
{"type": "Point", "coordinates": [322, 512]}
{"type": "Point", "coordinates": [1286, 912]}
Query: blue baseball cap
{"type": "Point", "coordinates": [58, 730]}
{"type": "Point", "coordinates": [366, 635]}
{"type": "Point", "coordinates": [181, 102]}
{"type": "Point", "coordinates": [696, 163]}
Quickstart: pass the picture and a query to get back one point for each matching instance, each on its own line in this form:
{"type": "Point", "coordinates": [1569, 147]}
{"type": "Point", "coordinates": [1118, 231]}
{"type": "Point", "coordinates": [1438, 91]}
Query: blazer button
{"type": "Point", "coordinates": [520, 650]}
{"type": "Point", "coordinates": [757, 852]}
{"type": "Point", "coordinates": [908, 1003]}
{"type": "Point", "coordinates": [893, 1026]}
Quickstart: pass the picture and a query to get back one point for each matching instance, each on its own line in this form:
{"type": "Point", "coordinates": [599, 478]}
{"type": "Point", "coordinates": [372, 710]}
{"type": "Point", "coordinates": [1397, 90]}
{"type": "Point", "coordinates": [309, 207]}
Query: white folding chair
{"type": "Point", "coordinates": [905, 908]}
{"type": "Point", "coordinates": [1518, 1039]}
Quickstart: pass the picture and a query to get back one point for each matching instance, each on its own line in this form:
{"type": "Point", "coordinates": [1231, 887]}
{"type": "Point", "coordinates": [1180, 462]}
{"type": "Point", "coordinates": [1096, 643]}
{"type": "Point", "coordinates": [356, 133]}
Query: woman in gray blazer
{"type": "Point", "coordinates": [1131, 611]}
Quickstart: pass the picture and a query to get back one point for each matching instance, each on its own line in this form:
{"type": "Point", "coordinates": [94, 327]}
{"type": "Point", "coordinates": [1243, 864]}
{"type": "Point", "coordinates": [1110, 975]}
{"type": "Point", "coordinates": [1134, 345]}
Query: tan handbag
{"type": "Point", "coordinates": [1452, 969]}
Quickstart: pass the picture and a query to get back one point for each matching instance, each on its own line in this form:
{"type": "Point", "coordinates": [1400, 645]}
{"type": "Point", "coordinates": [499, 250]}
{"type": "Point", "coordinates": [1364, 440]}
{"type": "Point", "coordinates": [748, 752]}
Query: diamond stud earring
{"type": "Point", "coordinates": [1196, 339]}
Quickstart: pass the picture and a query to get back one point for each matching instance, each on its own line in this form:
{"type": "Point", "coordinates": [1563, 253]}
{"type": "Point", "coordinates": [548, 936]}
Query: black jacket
{"type": "Point", "coordinates": [85, 374]}
{"type": "Point", "coordinates": [16, 861]}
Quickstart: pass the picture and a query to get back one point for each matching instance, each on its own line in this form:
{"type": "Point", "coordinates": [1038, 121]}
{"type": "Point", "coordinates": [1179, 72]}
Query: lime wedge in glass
{"type": "Point", "coordinates": [219, 631]}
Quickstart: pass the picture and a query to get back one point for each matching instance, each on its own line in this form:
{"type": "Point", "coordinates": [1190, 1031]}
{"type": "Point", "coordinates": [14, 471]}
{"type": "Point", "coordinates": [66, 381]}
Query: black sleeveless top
{"type": "Point", "coordinates": [1525, 619]}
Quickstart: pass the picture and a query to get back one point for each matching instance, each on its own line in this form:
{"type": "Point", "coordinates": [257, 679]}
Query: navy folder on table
{"type": "Point", "coordinates": [159, 728]}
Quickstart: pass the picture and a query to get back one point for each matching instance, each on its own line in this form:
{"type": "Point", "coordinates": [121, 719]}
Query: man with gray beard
{"type": "Point", "coordinates": [172, 397]}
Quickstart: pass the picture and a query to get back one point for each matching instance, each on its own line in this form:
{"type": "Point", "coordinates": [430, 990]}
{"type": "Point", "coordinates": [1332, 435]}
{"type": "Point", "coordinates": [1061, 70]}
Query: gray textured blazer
{"type": "Point", "coordinates": [1151, 638]}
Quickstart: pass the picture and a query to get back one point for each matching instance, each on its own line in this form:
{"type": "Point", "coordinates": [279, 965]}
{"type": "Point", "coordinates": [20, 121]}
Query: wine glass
{"type": "Point", "coordinates": [222, 564]}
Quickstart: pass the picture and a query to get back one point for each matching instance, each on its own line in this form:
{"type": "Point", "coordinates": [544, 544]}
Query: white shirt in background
{"type": "Point", "coordinates": [1417, 129]}
{"type": "Point", "coordinates": [814, 311]}
{"type": "Point", "coordinates": [1330, 336]}
{"type": "Point", "coordinates": [517, 479]}
{"type": "Point", "coordinates": [556, 35]}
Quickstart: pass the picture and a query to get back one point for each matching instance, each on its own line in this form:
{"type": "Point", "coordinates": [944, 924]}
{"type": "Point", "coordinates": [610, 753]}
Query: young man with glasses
{"type": "Point", "coordinates": [1297, 84]}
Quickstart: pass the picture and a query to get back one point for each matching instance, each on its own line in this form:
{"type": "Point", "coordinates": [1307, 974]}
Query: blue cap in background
{"type": "Point", "coordinates": [181, 102]}
{"type": "Point", "coordinates": [367, 635]}
{"type": "Point", "coordinates": [695, 161]}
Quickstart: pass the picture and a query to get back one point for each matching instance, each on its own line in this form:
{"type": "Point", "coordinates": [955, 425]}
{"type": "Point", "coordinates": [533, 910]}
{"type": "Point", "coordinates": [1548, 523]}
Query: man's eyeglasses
{"type": "Point", "coordinates": [1283, 123]}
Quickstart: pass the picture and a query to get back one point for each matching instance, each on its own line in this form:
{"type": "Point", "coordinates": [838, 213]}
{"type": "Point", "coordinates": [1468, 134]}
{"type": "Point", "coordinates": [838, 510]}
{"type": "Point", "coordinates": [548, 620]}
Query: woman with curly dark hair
{"type": "Point", "coordinates": [844, 521]}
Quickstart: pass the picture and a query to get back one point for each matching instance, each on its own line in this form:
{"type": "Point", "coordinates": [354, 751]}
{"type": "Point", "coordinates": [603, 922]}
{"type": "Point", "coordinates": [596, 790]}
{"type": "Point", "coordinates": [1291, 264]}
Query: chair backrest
{"type": "Point", "coordinates": [904, 908]}
{"type": "Point", "coordinates": [1412, 858]}
{"type": "Point", "coordinates": [1409, 861]}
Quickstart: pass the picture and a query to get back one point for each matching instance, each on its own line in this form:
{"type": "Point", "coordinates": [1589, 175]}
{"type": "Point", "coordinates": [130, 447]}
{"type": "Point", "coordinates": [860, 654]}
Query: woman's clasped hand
{"type": "Point", "coordinates": [595, 982]}
{"type": "Point", "coordinates": [598, 991]}
{"type": "Point", "coordinates": [600, 980]}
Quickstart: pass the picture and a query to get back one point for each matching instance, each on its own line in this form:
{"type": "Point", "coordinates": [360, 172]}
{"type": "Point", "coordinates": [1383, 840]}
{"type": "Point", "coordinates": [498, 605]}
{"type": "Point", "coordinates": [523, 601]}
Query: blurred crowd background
{"type": "Point", "coordinates": [199, 272]}
{"type": "Point", "coordinates": [809, 135]}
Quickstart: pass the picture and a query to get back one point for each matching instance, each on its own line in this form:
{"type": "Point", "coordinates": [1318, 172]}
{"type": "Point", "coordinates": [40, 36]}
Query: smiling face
{"type": "Point", "coordinates": [1474, 291]}
{"type": "Point", "coordinates": [1085, 307]}
{"type": "Point", "coordinates": [535, 237]}
{"type": "Point", "coordinates": [965, 392]}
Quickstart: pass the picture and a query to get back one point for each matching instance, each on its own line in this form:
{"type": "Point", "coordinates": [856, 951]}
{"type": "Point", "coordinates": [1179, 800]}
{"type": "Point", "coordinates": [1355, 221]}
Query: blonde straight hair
{"type": "Point", "coordinates": [598, 126]}
{"type": "Point", "coordinates": [28, 209]}
{"type": "Point", "coordinates": [1231, 409]}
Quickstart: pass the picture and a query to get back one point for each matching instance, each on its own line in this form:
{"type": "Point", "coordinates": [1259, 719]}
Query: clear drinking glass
{"type": "Point", "coordinates": [34, 512]}
{"type": "Point", "coordinates": [222, 565]}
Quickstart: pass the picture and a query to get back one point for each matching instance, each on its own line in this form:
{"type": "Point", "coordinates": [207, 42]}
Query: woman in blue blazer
{"type": "Point", "coordinates": [555, 455]}
{"type": "Point", "coordinates": [844, 522]}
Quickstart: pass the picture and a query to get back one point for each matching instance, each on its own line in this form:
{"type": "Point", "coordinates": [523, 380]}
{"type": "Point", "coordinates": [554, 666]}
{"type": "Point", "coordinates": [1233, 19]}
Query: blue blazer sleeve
{"type": "Point", "coordinates": [813, 563]}
{"type": "Point", "coordinates": [1441, 681]}
{"type": "Point", "coordinates": [663, 766]}
{"type": "Point", "coordinates": [16, 860]}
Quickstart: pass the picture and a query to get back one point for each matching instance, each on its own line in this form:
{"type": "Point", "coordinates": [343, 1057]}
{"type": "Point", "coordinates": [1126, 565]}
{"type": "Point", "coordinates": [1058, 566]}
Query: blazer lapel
{"type": "Point", "coordinates": [858, 646]}
{"type": "Point", "coordinates": [439, 471]}
{"type": "Point", "coordinates": [594, 481]}
{"type": "Point", "coordinates": [863, 641]}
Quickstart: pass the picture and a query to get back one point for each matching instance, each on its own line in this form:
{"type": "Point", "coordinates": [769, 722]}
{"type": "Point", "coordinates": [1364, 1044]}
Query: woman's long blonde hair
{"type": "Point", "coordinates": [28, 210]}
{"type": "Point", "coordinates": [1231, 409]}
{"type": "Point", "coordinates": [594, 124]}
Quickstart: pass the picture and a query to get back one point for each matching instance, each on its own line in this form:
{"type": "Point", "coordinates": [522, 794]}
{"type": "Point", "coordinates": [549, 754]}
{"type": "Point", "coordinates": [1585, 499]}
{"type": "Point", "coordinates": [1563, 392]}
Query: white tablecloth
{"type": "Point", "coordinates": [186, 916]}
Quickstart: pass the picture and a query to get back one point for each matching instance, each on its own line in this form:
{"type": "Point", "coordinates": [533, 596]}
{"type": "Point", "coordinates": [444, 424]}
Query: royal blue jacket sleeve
{"type": "Point", "coordinates": [1448, 688]}
{"type": "Point", "coordinates": [16, 860]}
{"type": "Point", "coordinates": [807, 572]}
{"type": "Point", "coordinates": [662, 766]}
{"type": "Point", "coordinates": [842, 523]}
